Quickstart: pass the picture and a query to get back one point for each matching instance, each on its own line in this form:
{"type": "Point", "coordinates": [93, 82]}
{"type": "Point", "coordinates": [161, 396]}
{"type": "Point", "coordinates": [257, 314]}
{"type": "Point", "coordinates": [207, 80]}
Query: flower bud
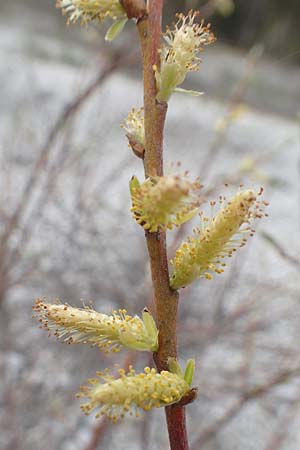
{"type": "Point", "coordinates": [84, 325]}
{"type": "Point", "coordinates": [134, 126]}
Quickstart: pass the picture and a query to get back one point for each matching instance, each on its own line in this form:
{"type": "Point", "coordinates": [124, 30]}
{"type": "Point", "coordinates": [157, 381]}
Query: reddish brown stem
{"type": "Point", "coordinates": [165, 299]}
{"type": "Point", "coordinates": [177, 427]}
{"type": "Point", "coordinates": [134, 8]}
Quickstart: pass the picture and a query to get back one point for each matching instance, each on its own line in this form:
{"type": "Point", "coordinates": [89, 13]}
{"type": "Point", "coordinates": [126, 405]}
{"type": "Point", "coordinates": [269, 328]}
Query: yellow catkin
{"type": "Point", "coordinates": [85, 11]}
{"type": "Point", "coordinates": [180, 53]}
{"type": "Point", "coordinates": [87, 326]}
{"type": "Point", "coordinates": [219, 237]}
{"type": "Point", "coordinates": [130, 392]}
{"type": "Point", "coordinates": [164, 202]}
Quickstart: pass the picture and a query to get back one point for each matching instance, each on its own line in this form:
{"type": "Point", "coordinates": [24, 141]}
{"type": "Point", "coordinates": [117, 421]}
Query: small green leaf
{"type": "Point", "coordinates": [115, 29]}
{"type": "Point", "coordinates": [167, 82]}
{"type": "Point", "coordinates": [189, 92]}
{"type": "Point", "coordinates": [174, 367]}
{"type": "Point", "coordinates": [134, 184]}
{"type": "Point", "coordinates": [151, 328]}
{"type": "Point", "coordinates": [189, 371]}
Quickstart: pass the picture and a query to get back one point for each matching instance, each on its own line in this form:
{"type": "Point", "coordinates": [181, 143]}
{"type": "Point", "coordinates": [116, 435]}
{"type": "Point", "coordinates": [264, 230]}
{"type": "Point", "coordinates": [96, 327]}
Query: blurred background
{"type": "Point", "coordinates": [66, 230]}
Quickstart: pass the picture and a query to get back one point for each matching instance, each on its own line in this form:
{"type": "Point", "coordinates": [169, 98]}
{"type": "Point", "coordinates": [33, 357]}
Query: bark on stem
{"type": "Point", "coordinates": [165, 299]}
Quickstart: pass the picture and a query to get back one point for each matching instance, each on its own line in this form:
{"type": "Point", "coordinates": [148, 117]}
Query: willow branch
{"type": "Point", "coordinates": [165, 299]}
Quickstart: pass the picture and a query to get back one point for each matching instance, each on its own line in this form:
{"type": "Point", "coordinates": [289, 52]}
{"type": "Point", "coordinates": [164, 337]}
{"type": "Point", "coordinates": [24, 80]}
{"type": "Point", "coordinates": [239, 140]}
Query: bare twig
{"type": "Point", "coordinates": [43, 158]}
{"type": "Point", "coordinates": [8, 257]}
{"type": "Point", "coordinates": [280, 250]}
{"type": "Point", "coordinates": [281, 432]}
{"type": "Point", "coordinates": [252, 394]}
{"type": "Point", "coordinates": [235, 99]}
{"type": "Point", "coordinates": [97, 434]}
